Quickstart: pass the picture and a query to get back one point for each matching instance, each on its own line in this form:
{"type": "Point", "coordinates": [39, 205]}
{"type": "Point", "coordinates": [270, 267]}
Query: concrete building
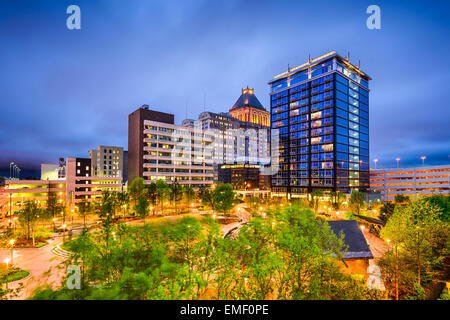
{"type": "Point", "coordinates": [75, 186]}
{"type": "Point", "coordinates": [49, 171]}
{"type": "Point", "coordinates": [107, 161]}
{"type": "Point", "coordinates": [412, 182]}
{"type": "Point", "coordinates": [159, 149]}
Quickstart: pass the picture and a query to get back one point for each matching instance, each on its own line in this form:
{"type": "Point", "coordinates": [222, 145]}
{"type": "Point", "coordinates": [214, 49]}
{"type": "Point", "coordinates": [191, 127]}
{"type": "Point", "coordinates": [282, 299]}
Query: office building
{"type": "Point", "coordinates": [411, 182]}
{"type": "Point", "coordinates": [159, 149]}
{"type": "Point", "coordinates": [320, 110]}
{"type": "Point", "coordinates": [107, 161]}
{"type": "Point", "coordinates": [248, 108]}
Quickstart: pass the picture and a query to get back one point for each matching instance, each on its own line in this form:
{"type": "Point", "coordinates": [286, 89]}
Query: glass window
{"type": "Point", "coordinates": [342, 139]}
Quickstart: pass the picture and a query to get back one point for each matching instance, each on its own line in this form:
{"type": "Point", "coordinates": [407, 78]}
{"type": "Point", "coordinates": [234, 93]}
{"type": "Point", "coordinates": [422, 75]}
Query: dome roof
{"type": "Point", "coordinates": [248, 99]}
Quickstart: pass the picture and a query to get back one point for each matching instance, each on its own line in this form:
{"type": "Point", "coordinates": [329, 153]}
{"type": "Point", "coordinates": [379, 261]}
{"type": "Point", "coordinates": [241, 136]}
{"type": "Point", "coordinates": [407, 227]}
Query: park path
{"type": "Point", "coordinates": [45, 267]}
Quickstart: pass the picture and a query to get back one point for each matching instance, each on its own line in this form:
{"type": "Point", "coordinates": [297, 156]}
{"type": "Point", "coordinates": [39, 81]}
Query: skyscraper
{"type": "Point", "coordinates": [321, 111]}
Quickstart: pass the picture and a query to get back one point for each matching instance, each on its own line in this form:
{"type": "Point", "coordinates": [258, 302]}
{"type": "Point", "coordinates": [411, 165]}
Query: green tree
{"type": "Point", "coordinates": [28, 218]}
{"type": "Point", "coordinates": [142, 208]}
{"type": "Point", "coordinates": [84, 208]}
{"type": "Point", "coordinates": [224, 198]}
{"type": "Point", "coordinates": [176, 193]}
{"type": "Point", "coordinates": [163, 192]}
{"type": "Point", "coordinates": [357, 201]}
{"type": "Point", "coordinates": [314, 200]}
{"type": "Point", "coordinates": [136, 189]}
{"type": "Point", "coordinates": [421, 242]}
{"type": "Point", "coordinates": [336, 199]}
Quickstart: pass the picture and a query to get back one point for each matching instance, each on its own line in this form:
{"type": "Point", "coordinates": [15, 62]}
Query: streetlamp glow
{"type": "Point", "coordinates": [375, 162]}
{"type": "Point", "coordinates": [423, 160]}
{"type": "Point", "coordinates": [398, 162]}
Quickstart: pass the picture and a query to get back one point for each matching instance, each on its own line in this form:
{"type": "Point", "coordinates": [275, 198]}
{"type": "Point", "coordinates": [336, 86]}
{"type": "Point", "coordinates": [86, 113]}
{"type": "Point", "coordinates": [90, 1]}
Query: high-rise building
{"type": "Point", "coordinates": [159, 149]}
{"type": "Point", "coordinates": [107, 161]}
{"type": "Point", "coordinates": [248, 108]}
{"type": "Point", "coordinates": [321, 111]}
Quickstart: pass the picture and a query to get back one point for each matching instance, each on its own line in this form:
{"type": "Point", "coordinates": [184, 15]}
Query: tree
{"type": "Point", "coordinates": [386, 211]}
{"type": "Point", "coordinates": [28, 217]}
{"type": "Point", "coordinates": [401, 199]}
{"type": "Point", "coordinates": [224, 198]}
{"type": "Point", "coordinates": [314, 200]}
{"type": "Point", "coordinates": [336, 199]}
{"type": "Point", "coordinates": [84, 208]}
{"type": "Point", "coordinates": [357, 201]}
{"type": "Point", "coordinates": [176, 192]}
{"type": "Point", "coordinates": [189, 194]}
{"type": "Point", "coordinates": [420, 242]}
{"type": "Point", "coordinates": [162, 191]}
{"type": "Point", "coordinates": [136, 189]}
{"type": "Point", "coordinates": [142, 208]}
{"type": "Point", "coordinates": [52, 206]}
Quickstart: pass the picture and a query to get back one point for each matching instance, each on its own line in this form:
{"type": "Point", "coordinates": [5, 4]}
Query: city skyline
{"type": "Point", "coordinates": [84, 82]}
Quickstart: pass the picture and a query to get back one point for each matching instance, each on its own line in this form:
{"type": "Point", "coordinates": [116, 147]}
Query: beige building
{"type": "Point", "coordinates": [107, 161]}
{"type": "Point", "coordinates": [173, 152]}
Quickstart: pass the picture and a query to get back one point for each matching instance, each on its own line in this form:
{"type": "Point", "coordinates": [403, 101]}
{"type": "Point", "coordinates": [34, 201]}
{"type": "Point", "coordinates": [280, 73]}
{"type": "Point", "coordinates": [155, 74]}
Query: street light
{"type": "Point", "coordinates": [10, 176]}
{"type": "Point", "coordinates": [423, 160]}
{"type": "Point", "coordinates": [7, 272]}
{"type": "Point", "coordinates": [375, 162]}
{"type": "Point", "coordinates": [398, 162]}
{"type": "Point", "coordinates": [11, 243]}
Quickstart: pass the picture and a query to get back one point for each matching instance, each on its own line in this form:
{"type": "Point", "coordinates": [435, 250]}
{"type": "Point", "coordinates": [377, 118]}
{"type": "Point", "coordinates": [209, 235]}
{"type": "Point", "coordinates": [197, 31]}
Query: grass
{"type": "Point", "coordinates": [13, 275]}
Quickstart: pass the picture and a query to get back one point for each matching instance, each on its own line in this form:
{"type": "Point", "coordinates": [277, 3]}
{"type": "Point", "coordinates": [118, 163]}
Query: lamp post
{"type": "Point", "coordinates": [423, 160]}
{"type": "Point", "coordinates": [64, 232]}
{"type": "Point", "coordinates": [11, 242]}
{"type": "Point", "coordinates": [7, 273]}
{"type": "Point", "coordinates": [375, 162]}
{"type": "Point", "coordinates": [398, 162]}
{"type": "Point", "coordinates": [10, 165]}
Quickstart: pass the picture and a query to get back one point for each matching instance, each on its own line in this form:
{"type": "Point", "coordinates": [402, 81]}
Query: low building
{"type": "Point", "coordinates": [412, 182]}
{"type": "Point", "coordinates": [77, 185]}
{"type": "Point", "coordinates": [357, 256]}
{"type": "Point", "coordinates": [244, 176]}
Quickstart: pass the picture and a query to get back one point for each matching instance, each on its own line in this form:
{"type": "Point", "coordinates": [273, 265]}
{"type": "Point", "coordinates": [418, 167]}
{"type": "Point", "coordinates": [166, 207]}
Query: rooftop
{"type": "Point", "coordinates": [353, 238]}
{"type": "Point", "coordinates": [248, 99]}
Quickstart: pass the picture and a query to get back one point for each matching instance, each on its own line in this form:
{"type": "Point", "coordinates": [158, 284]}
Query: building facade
{"type": "Point", "coordinates": [77, 185]}
{"type": "Point", "coordinates": [107, 161]}
{"type": "Point", "coordinates": [169, 152]}
{"type": "Point", "coordinates": [248, 109]}
{"type": "Point", "coordinates": [320, 110]}
{"type": "Point", "coordinates": [411, 182]}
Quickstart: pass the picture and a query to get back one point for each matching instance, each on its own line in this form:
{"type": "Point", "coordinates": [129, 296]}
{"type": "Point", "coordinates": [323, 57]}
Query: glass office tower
{"type": "Point", "coordinates": [321, 111]}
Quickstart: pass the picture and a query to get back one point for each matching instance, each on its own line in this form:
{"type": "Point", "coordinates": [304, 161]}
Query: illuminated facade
{"type": "Point", "coordinates": [159, 149]}
{"type": "Point", "coordinates": [76, 186]}
{"type": "Point", "coordinates": [107, 161]}
{"type": "Point", "coordinates": [321, 112]}
{"type": "Point", "coordinates": [248, 108]}
{"type": "Point", "coordinates": [412, 182]}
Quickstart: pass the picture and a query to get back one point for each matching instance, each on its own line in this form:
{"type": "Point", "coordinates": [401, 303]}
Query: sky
{"type": "Point", "coordinates": [63, 92]}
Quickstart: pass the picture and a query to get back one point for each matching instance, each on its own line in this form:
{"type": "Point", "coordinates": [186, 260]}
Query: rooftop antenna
{"type": "Point", "coordinates": [289, 68]}
{"type": "Point", "coordinates": [359, 64]}
{"type": "Point", "coordinates": [348, 57]}
{"type": "Point", "coordinates": [309, 57]}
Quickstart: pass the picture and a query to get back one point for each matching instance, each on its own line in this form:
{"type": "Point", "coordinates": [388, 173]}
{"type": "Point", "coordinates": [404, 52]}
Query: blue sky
{"type": "Point", "coordinates": [63, 91]}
